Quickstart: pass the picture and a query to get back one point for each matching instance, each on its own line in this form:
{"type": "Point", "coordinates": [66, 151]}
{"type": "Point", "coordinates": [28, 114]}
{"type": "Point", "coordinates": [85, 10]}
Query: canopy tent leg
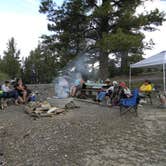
{"type": "Point", "coordinates": [164, 76]}
{"type": "Point", "coordinates": [130, 78]}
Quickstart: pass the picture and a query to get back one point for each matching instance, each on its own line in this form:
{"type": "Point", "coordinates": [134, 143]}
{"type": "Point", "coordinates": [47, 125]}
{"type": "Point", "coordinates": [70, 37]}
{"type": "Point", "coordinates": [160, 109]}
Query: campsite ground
{"type": "Point", "coordinates": [91, 135]}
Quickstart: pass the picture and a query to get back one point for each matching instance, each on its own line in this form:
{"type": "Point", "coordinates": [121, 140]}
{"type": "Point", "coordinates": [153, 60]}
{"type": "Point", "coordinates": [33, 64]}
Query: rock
{"type": "Point", "coordinates": [71, 105]}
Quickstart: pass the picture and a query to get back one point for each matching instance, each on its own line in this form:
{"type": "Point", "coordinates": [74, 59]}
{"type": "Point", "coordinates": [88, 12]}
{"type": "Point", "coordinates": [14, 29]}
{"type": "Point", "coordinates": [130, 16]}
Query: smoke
{"type": "Point", "coordinates": [62, 87]}
{"type": "Point", "coordinates": [78, 68]}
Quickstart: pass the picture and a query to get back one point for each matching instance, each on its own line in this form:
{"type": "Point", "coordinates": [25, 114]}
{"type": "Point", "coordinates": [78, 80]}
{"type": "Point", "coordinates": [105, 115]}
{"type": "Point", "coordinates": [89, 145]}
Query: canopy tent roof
{"type": "Point", "coordinates": [157, 59]}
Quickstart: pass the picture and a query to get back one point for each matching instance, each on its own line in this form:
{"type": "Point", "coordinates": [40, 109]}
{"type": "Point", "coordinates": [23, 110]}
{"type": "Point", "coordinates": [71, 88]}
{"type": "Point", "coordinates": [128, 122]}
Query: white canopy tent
{"type": "Point", "coordinates": [158, 59]}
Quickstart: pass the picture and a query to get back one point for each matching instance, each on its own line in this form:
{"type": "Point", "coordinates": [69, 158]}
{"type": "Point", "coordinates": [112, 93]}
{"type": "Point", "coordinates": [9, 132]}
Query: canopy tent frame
{"type": "Point", "coordinates": [164, 75]}
{"type": "Point", "coordinates": [158, 59]}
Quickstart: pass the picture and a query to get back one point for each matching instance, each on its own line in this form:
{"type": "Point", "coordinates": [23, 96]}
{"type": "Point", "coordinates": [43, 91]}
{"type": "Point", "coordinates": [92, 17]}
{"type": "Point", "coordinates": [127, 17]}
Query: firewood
{"type": "Point", "coordinates": [53, 109]}
{"type": "Point", "coordinates": [46, 115]}
{"type": "Point", "coordinates": [41, 109]}
{"type": "Point", "coordinates": [60, 111]}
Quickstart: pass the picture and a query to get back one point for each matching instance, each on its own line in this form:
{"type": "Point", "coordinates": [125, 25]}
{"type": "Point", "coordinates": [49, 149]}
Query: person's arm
{"type": "Point", "coordinates": [111, 88]}
{"type": "Point", "coordinates": [142, 88]}
{"type": "Point", "coordinates": [5, 88]}
{"type": "Point", "coordinates": [149, 88]}
{"type": "Point", "coordinates": [127, 92]}
{"type": "Point", "coordinates": [19, 87]}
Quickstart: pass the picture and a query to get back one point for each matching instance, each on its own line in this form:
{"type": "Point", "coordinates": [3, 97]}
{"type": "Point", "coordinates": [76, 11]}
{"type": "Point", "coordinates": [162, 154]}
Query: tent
{"type": "Point", "coordinates": [158, 59]}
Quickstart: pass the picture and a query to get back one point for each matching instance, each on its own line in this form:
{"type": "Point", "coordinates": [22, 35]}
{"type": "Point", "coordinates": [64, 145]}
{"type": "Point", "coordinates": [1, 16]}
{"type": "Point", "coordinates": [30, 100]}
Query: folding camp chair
{"type": "Point", "coordinates": [130, 104]}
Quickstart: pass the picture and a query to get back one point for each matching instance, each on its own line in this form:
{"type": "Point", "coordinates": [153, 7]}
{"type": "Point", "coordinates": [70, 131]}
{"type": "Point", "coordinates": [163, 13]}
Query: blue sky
{"type": "Point", "coordinates": [20, 19]}
{"type": "Point", "coordinates": [19, 6]}
{"type": "Point", "coordinates": [22, 6]}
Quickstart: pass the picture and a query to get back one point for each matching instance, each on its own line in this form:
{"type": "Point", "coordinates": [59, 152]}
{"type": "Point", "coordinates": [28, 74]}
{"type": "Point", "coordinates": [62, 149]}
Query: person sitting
{"type": "Point", "coordinates": [77, 85]}
{"type": "Point", "coordinates": [125, 91]}
{"type": "Point", "coordinates": [120, 91]}
{"type": "Point", "coordinates": [9, 93]}
{"type": "Point", "coordinates": [145, 90]}
{"type": "Point", "coordinates": [146, 87]}
{"type": "Point", "coordinates": [103, 91]}
{"type": "Point", "coordinates": [22, 90]}
{"type": "Point", "coordinates": [110, 92]}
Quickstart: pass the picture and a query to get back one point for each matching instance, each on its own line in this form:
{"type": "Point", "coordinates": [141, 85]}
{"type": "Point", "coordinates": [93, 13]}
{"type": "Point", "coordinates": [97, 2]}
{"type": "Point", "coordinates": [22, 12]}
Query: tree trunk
{"type": "Point", "coordinates": [103, 65]}
{"type": "Point", "coordinates": [124, 62]}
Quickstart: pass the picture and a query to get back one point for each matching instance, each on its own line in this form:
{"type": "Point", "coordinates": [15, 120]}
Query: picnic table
{"type": "Point", "coordinates": [94, 85]}
{"type": "Point", "coordinates": [92, 89]}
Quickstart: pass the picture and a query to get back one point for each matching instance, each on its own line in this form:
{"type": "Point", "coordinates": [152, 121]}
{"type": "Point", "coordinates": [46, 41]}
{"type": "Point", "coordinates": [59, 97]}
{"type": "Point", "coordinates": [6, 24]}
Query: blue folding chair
{"type": "Point", "coordinates": [130, 104]}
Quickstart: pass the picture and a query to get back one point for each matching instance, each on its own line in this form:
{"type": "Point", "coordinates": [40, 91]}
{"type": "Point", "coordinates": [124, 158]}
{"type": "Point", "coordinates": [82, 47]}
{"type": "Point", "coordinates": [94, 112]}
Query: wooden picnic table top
{"type": "Point", "coordinates": [94, 85]}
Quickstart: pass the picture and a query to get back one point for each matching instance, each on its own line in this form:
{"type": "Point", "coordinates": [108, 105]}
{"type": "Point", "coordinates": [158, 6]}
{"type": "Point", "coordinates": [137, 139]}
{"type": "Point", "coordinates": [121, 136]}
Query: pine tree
{"type": "Point", "coordinates": [10, 63]}
{"type": "Point", "coordinates": [40, 66]}
{"type": "Point", "coordinates": [68, 24]}
{"type": "Point", "coordinates": [103, 27]}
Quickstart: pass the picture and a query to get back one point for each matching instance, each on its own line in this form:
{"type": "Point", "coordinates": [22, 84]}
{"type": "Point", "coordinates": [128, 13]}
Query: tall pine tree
{"type": "Point", "coordinates": [40, 66]}
{"type": "Point", "coordinates": [103, 27]}
{"type": "Point", "coordinates": [10, 63]}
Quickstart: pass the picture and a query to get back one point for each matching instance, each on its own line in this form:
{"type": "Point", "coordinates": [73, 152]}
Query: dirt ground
{"type": "Point", "coordinates": [91, 135]}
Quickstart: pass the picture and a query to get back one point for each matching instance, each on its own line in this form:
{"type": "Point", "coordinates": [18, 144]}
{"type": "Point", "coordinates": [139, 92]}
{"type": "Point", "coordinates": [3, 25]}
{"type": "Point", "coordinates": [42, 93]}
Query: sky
{"type": "Point", "coordinates": [20, 19]}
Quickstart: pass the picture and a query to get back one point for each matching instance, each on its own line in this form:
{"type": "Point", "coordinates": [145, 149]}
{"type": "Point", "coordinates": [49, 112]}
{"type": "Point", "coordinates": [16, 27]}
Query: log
{"type": "Point", "coordinates": [60, 111]}
{"type": "Point", "coordinates": [53, 109]}
{"type": "Point", "coordinates": [46, 115]}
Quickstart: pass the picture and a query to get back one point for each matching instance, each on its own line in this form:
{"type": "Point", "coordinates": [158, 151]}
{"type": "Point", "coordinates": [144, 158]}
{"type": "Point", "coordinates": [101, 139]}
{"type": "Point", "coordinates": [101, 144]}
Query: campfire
{"type": "Point", "coordinates": [50, 108]}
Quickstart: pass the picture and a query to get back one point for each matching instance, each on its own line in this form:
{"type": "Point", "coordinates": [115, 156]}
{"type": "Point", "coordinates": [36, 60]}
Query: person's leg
{"type": "Point", "coordinates": [108, 97]}
{"type": "Point", "coordinates": [29, 93]}
{"type": "Point", "coordinates": [142, 98]}
{"type": "Point", "coordinates": [142, 95]}
{"type": "Point", "coordinates": [71, 91]}
{"type": "Point", "coordinates": [16, 97]}
{"type": "Point", "coordinates": [101, 96]}
{"type": "Point", "coordinates": [74, 91]}
{"type": "Point", "coordinates": [13, 94]}
{"type": "Point", "coordinates": [108, 100]}
{"type": "Point", "coordinates": [24, 96]}
{"type": "Point", "coordinates": [5, 96]}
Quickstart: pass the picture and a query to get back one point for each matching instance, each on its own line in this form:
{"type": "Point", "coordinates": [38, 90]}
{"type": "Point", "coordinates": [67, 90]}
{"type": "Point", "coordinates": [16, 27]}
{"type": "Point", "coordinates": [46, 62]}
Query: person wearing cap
{"type": "Point", "coordinates": [106, 91]}
{"type": "Point", "coordinates": [103, 91]}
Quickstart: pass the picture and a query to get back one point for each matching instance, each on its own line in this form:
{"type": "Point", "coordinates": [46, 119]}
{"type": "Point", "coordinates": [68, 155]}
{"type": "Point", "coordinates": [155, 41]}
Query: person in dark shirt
{"type": "Point", "coordinates": [22, 90]}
